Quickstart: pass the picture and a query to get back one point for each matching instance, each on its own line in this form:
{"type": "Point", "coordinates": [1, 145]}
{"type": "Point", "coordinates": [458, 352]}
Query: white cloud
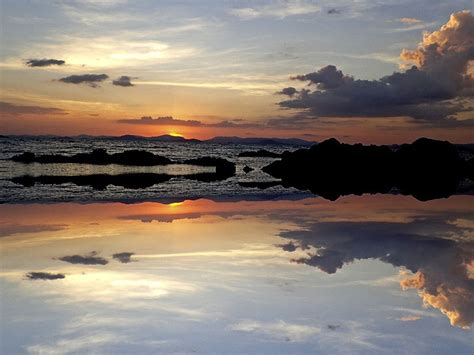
{"type": "Point", "coordinates": [279, 10]}
{"type": "Point", "coordinates": [279, 330]}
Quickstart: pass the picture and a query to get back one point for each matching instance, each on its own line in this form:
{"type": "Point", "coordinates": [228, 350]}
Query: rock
{"type": "Point", "coordinates": [425, 169]}
{"type": "Point", "coordinates": [247, 169]}
{"type": "Point", "coordinates": [97, 157]}
{"type": "Point", "coordinates": [260, 153]}
{"type": "Point", "coordinates": [224, 168]}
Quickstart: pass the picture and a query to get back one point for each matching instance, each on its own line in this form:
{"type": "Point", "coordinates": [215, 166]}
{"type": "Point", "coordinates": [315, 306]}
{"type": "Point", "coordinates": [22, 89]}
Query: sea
{"type": "Point", "coordinates": [176, 189]}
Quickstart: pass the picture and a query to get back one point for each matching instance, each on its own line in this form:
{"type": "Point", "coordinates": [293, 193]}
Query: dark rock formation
{"type": "Point", "coordinates": [260, 153]}
{"type": "Point", "coordinates": [101, 181]}
{"type": "Point", "coordinates": [224, 168]}
{"type": "Point", "coordinates": [97, 181]}
{"type": "Point", "coordinates": [425, 169]}
{"type": "Point", "coordinates": [247, 169]}
{"type": "Point", "coordinates": [97, 157]}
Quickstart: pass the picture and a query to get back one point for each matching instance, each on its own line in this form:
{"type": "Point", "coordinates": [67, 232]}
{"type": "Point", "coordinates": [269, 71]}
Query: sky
{"type": "Point", "coordinates": [383, 71]}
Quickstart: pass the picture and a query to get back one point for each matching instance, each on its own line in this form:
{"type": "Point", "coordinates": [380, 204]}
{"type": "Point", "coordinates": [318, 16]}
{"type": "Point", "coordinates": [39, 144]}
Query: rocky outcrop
{"type": "Point", "coordinates": [97, 157]}
{"type": "Point", "coordinates": [425, 169]}
{"type": "Point", "coordinates": [262, 153]}
{"type": "Point", "coordinates": [224, 168]}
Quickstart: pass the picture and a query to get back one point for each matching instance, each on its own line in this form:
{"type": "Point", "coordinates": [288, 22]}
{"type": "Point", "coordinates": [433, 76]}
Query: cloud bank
{"type": "Point", "coordinates": [170, 121]}
{"type": "Point", "coordinates": [433, 89]}
{"type": "Point", "coordinates": [7, 108]}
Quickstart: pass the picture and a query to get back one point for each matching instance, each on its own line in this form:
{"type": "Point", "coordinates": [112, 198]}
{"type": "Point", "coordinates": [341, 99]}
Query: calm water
{"type": "Point", "coordinates": [239, 272]}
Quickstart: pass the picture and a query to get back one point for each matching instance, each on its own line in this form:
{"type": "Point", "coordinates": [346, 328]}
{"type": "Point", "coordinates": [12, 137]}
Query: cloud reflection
{"type": "Point", "coordinates": [435, 250]}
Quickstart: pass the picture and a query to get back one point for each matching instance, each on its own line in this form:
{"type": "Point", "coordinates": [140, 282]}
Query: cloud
{"type": "Point", "coordinates": [12, 109]}
{"type": "Point", "coordinates": [170, 121]}
{"type": "Point", "coordinates": [289, 91]}
{"type": "Point", "coordinates": [280, 330]}
{"type": "Point", "coordinates": [89, 79]}
{"type": "Point", "coordinates": [432, 90]}
{"type": "Point", "coordinates": [278, 10]}
{"type": "Point", "coordinates": [44, 62]}
{"type": "Point", "coordinates": [410, 318]}
{"type": "Point", "coordinates": [426, 247]}
{"type": "Point", "coordinates": [124, 81]}
{"type": "Point", "coordinates": [409, 20]}
{"type": "Point", "coordinates": [88, 259]}
{"type": "Point", "coordinates": [333, 11]}
{"type": "Point", "coordinates": [44, 276]}
{"type": "Point", "coordinates": [124, 257]}
{"type": "Point", "coordinates": [11, 229]}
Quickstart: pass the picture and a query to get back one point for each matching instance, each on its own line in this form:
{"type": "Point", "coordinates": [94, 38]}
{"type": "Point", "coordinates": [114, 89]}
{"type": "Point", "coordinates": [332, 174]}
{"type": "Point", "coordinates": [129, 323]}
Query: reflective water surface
{"type": "Point", "coordinates": [363, 274]}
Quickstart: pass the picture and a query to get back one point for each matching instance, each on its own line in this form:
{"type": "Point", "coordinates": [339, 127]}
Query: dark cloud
{"type": "Point", "coordinates": [88, 259]}
{"type": "Point", "coordinates": [289, 91]}
{"type": "Point", "coordinates": [44, 62]}
{"type": "Point", "coordinates": [431, 91]}
{"type": "Point", "coordinates": [124, 81]}
{"type": "Point", "coordinates": [333, 11]}
{"type": "Point", "coordinates": [168, 120]}
{"type": "Point", "coordinates": [11, 229]}
{"type": "Point", "coordinates": [326, 78]}
{"type": "Point", "coordinates": [124, 257]}
{"type": "Point", "coordinates": [12, 109]}
{"type": "Point", "coordinates": [434, 249]}
{"type": "Point", "coordinates": [44, 276]}
{"type": "Point", "coordinates": [89, 79]}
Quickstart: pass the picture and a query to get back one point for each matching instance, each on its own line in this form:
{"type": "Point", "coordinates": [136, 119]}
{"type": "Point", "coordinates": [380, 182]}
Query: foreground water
{"type": "Point", "coordinates": [366, 274]}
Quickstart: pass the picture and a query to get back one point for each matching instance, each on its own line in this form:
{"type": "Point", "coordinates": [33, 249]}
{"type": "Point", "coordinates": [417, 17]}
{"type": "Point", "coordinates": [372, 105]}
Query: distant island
{"type": "Point", "coordinates": [178, 139]}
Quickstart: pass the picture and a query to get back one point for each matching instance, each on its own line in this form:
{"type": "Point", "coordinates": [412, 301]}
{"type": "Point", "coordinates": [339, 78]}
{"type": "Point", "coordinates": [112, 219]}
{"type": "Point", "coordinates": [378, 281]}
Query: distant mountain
{"type": "Point", "coordinates": [259, 141]}
{"type": "Point", "coordinates": [178, 139]}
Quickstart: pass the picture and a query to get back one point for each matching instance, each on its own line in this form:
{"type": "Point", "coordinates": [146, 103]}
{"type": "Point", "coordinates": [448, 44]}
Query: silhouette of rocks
{"type": "Point", "coordinates": [96, 181]}
{"type": "Point", "coordinates": [426, 169]}
{"type": "Point", "coordinates": [224, 168]}
{"type": "Point", "coordinates": [129, 181]}
{"type": "Point", "coordinates": [97, 157]}
{"type": "Point", "coordinates": [247, 169]}
{"type": "Point", "coordinates": [260, 153]}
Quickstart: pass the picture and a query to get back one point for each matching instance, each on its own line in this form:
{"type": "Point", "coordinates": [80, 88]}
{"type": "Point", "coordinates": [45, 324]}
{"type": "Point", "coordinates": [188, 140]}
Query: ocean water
{"type": "Point", "coordinates": [174, 190]}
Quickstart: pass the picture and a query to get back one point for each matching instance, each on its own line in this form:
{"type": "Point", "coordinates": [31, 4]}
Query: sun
{"type": "Point", "coordinates": [175, 134]}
